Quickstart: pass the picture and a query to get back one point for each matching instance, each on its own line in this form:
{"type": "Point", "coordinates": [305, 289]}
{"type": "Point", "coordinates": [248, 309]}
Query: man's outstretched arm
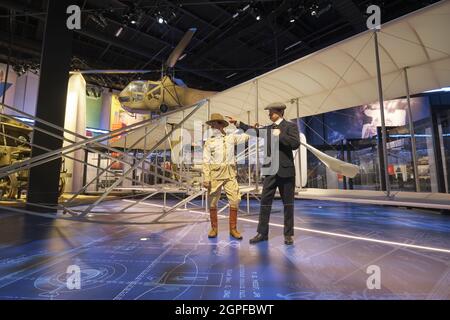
{"type": "Point", "coordinates": [243, 126]}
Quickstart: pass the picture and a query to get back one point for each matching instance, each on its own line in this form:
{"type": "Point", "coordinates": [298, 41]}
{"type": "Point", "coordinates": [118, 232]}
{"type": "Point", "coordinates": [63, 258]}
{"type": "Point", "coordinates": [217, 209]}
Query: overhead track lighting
{"type": "Point", "coordinates": [133, 16]}
{"type": "Point", "coordinates": [164, 16]}
{"type": "Point", "coordinates": [161, 20]}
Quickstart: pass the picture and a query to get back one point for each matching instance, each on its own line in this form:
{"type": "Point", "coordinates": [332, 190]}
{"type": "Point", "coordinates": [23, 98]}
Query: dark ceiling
{"type": "Point", "coordinates": [230, 46]}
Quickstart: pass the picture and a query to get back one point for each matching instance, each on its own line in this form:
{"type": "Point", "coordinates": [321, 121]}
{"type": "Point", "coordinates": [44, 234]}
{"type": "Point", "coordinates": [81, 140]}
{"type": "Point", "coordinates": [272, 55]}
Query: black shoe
{"type": "Point", "coordinates": [258, 238]}
{"type": "Point", "coordinates": [288, 240]}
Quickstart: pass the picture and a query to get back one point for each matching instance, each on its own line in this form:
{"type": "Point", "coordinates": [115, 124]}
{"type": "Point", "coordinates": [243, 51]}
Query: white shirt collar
{"type": "Point", "coordinates": [278, 121]}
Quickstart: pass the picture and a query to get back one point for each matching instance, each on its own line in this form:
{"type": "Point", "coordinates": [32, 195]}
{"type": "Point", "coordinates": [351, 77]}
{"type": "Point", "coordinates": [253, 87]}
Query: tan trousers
{"type": "Point", "coordinates": [231, 188]}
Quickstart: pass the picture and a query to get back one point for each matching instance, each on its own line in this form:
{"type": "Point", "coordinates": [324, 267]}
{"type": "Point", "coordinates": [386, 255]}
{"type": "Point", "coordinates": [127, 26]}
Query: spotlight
{"type": "Point", "coordinates": [256, 13]}
{"type": "Point", "coordinates": [314, 8]}
{"type": "Point", "coordinates": [20, 69]}
{"type": "Point", "coordinates": [133, 16]}
{"type": "Point", "coordinates": [164, 16]}
{"type": "Point", "coordinates": [98, 92]}
{"type": "Point", "coordinates": [292, 15]}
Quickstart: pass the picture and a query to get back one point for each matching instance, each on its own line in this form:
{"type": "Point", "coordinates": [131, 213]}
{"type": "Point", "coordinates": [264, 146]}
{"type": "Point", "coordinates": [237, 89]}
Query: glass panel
{"type": "Point", "coordinates": [138, 86]}
{"type": "Point", "coordinates": [352, 135]}
{"type": "Point", "coordinates": [443, 117]}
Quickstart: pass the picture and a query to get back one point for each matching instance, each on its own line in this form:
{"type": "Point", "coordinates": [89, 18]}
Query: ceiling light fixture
{"type": "Point", "coordinates": [292, 45]}
{"type": "Point", "coordinates": [231, 75]}
{"type": "Point", "coordinates": [119, 32]}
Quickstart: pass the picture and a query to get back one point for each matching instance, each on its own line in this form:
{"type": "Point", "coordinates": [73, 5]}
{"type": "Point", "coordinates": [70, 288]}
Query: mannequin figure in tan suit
{"type": "Point", "coordinates": [219, 170]}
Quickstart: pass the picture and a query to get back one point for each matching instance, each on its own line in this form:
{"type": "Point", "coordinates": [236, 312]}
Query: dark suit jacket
{"type": "Point", "coordinates": [289, 139]}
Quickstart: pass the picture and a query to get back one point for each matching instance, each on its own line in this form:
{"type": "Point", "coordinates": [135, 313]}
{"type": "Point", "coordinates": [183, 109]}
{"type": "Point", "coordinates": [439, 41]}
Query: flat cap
{"type": "Point", "coordinates": [276, 105]}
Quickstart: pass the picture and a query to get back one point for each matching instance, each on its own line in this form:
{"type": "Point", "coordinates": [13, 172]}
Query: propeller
{"type": "Point", "coordinates": [113, 71]}
{"type": "Point", "coordinates": [178, 51]}
{"type": "Point", "coordinates": [170, 63]}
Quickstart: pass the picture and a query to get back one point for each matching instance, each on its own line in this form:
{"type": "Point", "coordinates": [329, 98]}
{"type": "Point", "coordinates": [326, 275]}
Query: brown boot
{"type": "Point", "coordinates": [233, 224]}
{"type": "Point", "coordinates": [214, 226]}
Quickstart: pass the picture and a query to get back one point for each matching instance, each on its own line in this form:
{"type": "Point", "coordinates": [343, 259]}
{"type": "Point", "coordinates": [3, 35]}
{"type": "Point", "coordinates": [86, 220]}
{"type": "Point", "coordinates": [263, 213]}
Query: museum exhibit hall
{"type": "Point", "coordinates": [232, 151]}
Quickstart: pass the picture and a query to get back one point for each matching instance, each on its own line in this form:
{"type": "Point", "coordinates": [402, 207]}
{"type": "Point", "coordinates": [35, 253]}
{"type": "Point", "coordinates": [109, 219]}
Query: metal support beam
{"type": "Point", "coordinates": [299, 153]}
{"type": "Point", "coordinates": [248, 155]}
{"type": "Point", "coordinates": [56, 55]}
{"type": "Point", "coordinates": [411, 132]}
{"type": "Point", "coordinates": [208, 116]}
{"type": "Point", "coordinates": [179, 204]}
{"type": "Point", "coordinates": [383, 122]}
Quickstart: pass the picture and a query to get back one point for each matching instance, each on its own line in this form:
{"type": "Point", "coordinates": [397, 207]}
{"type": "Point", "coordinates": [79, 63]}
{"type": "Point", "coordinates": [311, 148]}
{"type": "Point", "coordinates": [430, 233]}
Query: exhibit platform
{"type": "Point", "coordinates": [336, 246]}
{"type": "Point", "coordinates": [439, 201]}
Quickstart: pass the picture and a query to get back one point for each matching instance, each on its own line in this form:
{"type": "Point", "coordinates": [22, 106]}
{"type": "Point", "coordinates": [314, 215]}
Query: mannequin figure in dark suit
{"type": "Point", "coordinates": [282, 177]}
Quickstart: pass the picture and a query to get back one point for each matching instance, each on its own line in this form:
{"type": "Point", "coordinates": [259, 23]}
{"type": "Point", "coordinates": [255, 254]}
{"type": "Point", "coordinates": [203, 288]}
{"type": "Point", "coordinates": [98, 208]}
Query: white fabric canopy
{"type": "Point", "coordinates": [344, 75]}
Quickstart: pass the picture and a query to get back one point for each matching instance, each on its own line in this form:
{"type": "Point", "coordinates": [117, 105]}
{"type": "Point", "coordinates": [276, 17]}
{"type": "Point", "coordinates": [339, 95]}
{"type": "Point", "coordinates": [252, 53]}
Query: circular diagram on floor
{"type": "Point", "coordinates": [92, 276]}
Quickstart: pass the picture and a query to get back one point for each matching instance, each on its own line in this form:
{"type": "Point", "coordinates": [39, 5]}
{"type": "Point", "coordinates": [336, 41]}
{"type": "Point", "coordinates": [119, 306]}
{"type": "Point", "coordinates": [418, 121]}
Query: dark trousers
{"type": "Point", "coordinates": [287, 192]}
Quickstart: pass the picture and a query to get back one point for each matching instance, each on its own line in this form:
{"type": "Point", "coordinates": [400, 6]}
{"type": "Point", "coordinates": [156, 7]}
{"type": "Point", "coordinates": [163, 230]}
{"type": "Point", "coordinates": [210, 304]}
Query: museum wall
{"type": "Point", "coordinates": [10, 86]}
{"type": "Point", "coordinates": [75, 121]}
{"type": "Point", "coordinates": [26, 91]}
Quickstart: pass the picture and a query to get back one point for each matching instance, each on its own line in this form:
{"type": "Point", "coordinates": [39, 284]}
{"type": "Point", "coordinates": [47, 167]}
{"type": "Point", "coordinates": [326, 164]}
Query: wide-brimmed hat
{"type": "Point", "coordinates": [217, 117]}
{"type": "Point", "coordinates": [276, 105]}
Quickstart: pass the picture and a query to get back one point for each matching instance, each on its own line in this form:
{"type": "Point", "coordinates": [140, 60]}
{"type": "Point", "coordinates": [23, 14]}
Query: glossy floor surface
{"type": "Point", "coordinates": [341, 251]}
